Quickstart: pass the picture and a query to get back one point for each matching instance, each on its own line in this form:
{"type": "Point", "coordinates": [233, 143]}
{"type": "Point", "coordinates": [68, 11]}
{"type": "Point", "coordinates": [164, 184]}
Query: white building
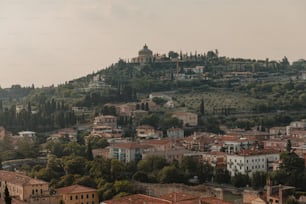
{"type": "Point", "coordinates": [250, 161]}
{"type": "Point", "coordinates": [28, 134]}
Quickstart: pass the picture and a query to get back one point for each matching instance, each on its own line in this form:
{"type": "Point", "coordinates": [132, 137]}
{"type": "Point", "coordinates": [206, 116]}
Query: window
{"type": "Point", "coordinates": [82, 196]}
{"type": "Point", "coordinates": [70, 197]}
{"type": "Point", "coordinates": [86, 195]}
{"type": "Point", "coordinates": [40, 191]}
{"type": "Point", "coordinates": [32, 191]}
{"type": "Point", "coordinates": [93, 195]}
{"type": "Point", "coordinates": [76, 197]}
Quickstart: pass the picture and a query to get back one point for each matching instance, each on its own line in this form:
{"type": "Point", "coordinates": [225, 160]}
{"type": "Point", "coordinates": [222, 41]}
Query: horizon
{"type": "Point", "coordinates": [51, 42]}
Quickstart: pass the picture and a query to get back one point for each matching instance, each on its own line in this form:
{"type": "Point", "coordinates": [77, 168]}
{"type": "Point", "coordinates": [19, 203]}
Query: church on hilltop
{"type": "Point", "coordinates": [145, 55]}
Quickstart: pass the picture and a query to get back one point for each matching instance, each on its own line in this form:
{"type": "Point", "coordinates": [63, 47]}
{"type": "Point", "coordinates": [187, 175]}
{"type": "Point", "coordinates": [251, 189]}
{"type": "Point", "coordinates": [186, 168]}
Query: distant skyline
{"type": "Point", "coordinates": [45, 42]}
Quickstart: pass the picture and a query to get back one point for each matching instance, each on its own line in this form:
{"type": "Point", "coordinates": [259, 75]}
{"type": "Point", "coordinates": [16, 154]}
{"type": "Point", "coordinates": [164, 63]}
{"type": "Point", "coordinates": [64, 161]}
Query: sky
{"type": "Point", "coordinates": [48, 42]}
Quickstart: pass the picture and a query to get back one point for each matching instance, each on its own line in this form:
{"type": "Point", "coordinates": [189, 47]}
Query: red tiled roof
{"type": "Point", "coordinates": [137, 199]}
{"type": "Point", "coordinates": [213, 200]}
{"type": "Point", "coordinates": [178, 196]}
{"type": "Point", "coordinates": [130, 145]}
{"type": "Point", "coordinates": [75, 189]}
{"type": "Point", "coordinates": [157, 142]}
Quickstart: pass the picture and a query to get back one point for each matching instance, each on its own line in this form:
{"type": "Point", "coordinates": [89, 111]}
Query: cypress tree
{"type": "Point", "coordinates": [7, 197]}
{"type": "Point", "coordinates": [202, 110]}
{"type": "Point", "coordinates": [89, 151]}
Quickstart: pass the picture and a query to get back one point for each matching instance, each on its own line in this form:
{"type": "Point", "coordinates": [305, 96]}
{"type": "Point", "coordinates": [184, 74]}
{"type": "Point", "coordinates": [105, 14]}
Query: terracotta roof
{"type": "Point", "coordinates": [249, 152]}
{"type": "Point", "coordinates": [75, 189]}
{"type": "Point", "coordinates": [213, 200]}
{"type": "Point", "coordinates": [178, 196]}
{"type": "Point", "coordinates": [137, 199]}
{"type": "Point", "coordinates": [19, 179]}
{"type": "Point", "coordinates": [157, 142]}
{"type": "Point", "coordinates": [130, 145]}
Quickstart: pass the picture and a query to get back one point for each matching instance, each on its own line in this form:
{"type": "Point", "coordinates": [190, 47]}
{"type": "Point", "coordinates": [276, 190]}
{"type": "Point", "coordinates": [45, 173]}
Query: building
{"type": "Point", "coordinates": [137, 199]}
{"type": "Point", "coordinates": [188, 119]}
{"type": "Point", "coordinates": [146, 132]}
{"type": "Point", "coordinates": [145, 55]}
{"type": "Point", "coordinates": [106, 120]}
{"type": "Point", "coordinates": [69, 134]}
{"type": "Point", "coordinates": [27, 134]}
{"type": "Point", "coordinates": [250, 161]}
{"type": "Point", "coordinates": [170, 198]}
{"type": "Point", "coordinates": [127, 152]}
{"type": "Point", "coordinates": [26, 189]}
{"type": "Point", "coordinates": [175, 133]}
{"type": "Point", "coordinates": [77, 194]}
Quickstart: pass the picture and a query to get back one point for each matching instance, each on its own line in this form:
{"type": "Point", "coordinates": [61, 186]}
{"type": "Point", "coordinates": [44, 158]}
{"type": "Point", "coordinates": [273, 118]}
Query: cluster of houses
{"type": "Point", "coordinates": [238, 151]}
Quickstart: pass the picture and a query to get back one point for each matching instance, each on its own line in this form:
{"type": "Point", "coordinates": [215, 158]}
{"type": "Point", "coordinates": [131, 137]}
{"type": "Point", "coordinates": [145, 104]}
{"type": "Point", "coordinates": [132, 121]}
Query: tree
{"type": "Point", "coordinates": [202, 110]}
{"type": "Point", "coordinates": [89, 154]}
{"type": "Point", "coordinates": [7, 197]}
{"type": "Point", "coordinates": [170, 174]}
{"type": "Point", "coordinates": [173, 55]}
{"type": "Point", "coordinates": [288, 146]}
{"type": "Point", "coordinates": [258, 179]}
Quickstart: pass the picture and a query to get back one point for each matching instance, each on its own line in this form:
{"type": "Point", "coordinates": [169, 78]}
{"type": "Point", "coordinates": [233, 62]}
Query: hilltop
{"type": "Point", "coordinates": [241, 89]}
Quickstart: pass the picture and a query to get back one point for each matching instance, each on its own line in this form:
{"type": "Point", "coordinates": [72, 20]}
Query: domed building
{"type": "Point", "coordinates": [145, 55]}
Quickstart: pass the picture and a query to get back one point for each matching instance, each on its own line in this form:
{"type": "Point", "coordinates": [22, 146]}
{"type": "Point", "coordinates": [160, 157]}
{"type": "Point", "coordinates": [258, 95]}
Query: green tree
{"type": "Point", "coordinates": [288, 146]}
{"type": "Point", "coordinates": [89, 154]}
{"type": "Point", "coordinates": [7, 197]}
{"type": "Point", "coordinates": [202, 110]}
{"type": "Point", "coordinates": [170, 174]}
{"type": "Point", "coordinates": [258, 179]}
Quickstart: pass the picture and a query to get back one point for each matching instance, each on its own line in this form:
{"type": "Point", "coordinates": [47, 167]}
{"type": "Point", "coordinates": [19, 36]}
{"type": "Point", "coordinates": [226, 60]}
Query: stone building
{"type": "Point", "coordinates": [145, 55]}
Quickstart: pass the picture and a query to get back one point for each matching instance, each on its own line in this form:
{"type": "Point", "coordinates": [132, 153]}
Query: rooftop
{"type": "Point", "coordinates": [19, 179]}
{"type": "Point", "coordinates": [75, 189]}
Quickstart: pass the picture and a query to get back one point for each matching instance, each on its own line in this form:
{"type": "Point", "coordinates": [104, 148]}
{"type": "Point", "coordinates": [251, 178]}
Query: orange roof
{"type": "Point", "coordinates": [137, 199]}
{"type": "Point", "coordinates": [130, 145]}
{"type": "Point", "coordinates": [75, 189]}
{"type": "Point", "coordinates": [213, 200]}
{"type": "Point", "coordinates": [178, 196]}
{"type": "Point", "coordinates": [157, 142]}
{"type": "Point", "coordinates": [248, 152]}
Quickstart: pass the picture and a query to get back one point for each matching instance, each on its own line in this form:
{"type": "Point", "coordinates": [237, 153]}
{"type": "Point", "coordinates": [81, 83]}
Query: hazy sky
{"type": "Point", "coordinates": [46, 42]}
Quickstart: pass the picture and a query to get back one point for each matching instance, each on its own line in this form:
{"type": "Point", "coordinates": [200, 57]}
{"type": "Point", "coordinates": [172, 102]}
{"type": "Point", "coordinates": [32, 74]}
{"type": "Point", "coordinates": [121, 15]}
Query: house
{"type": "Point", "coordinates": [26, 189]}
{"type": "Point", "coordinates": [250, 161]}
{"type": "Point", "coordinates": [171, 198]}
{"type": "Point", "coordinates": [127, 152]}
{"type": "Point", "coordinates": [236, 143]}
{"type": "Point", "coordinates": [27, 134]}
{"type": "Point", "coordinates": [102, 152]}
{"type": "Point", "coordinates": [278, 144]}
{"type": "Point", "coordinates": [77, 194]}
{"type": "Point", "coordinates": [137, 199]}
{"type": "Point", "coordinates": [147, 132]}
{"type": "Point", "coordinates": [277, 131]}
{"type": "Point", "coordinates": [175, 133]}
{"type": "Point", "coordinates": [189, 119]}
{"type": "Point", "coordinates": [215, 159]}
{"type": "Point", "coordinates": [106, 120]}
{"type": "Point", "coordinates": [69, 134]}
{"type": "Point", "coordinates": [198, 142]}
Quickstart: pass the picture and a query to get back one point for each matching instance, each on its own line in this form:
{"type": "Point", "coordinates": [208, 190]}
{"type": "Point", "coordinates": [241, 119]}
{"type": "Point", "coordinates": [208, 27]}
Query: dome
{"type": "Point", "coordinates": [145, 51]}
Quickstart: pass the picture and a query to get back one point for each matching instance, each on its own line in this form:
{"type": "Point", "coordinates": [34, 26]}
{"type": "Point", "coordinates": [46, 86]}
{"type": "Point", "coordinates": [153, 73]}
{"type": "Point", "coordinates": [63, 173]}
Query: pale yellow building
{"type": "Point", "coordinates": [77, 194]}
{"type": "Point", "coordinates": [25, 188]}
